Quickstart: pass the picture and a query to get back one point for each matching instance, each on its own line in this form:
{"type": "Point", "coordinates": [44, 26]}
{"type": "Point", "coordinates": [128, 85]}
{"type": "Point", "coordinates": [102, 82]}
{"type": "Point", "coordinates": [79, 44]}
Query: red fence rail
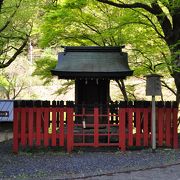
{"type": "Point", "coordinates": [38, 127]}
{"type": "Point", "coordinates": [68, 127]}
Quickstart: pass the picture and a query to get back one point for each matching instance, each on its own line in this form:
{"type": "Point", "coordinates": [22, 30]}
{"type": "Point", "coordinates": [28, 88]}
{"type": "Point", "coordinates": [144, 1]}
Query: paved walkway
{"type": "Point", "coordinates": [165, 173]}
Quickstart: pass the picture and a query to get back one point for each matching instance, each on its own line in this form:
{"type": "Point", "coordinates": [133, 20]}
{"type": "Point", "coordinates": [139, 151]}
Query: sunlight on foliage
{"type": "Point", "coordinates": [43, 69]}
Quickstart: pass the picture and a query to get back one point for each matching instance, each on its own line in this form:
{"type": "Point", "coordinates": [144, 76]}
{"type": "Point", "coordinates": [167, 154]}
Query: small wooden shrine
{"type": "Point", "coordinates": [92, 68]}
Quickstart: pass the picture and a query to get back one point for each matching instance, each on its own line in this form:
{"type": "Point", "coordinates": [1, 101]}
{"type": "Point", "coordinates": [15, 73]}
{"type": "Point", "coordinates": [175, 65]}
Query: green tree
{"type": "Point", "coordinates": [16, 21]}
{"type": "Point", "coordinates": [44, 65]}
{"type": "Point", "coordinates": [12, 83]}
{"type": "Point", "coordinates": [11, 86]}
{"type": "Point", "coordinates": [16, 81]}
{"type": "Point", "coordinates": [74, 22]}
{"type": "Point", "coordinates": [164, 14]}
{"type": "Point", "coordinates": [83, 22]}
{"type": "Point", "coordinates": [80, 23]}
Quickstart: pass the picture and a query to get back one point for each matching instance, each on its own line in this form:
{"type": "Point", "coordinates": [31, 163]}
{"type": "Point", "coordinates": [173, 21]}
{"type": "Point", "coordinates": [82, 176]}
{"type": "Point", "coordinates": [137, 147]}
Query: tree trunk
{"type": "Point", "coordinates": [173, 41]}
{"type": "Point", "coordinates": [177, 82]}
{"type": "Point", "coordinates": [1, 3]}
{"type": "Point", "coordinates": [122, 88]}
{"type": "Point", "coordinates": [176, 71]}
{"type": "Point", "coordinates": [174, 46]}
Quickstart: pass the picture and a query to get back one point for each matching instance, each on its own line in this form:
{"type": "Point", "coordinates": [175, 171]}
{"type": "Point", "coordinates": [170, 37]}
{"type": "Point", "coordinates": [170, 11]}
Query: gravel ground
{"type": "Point", "coordinates": [57, 164]}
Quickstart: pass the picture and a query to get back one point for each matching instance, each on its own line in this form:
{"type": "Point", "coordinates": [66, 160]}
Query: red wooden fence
{"type": "Point", "coordinates": [126, 128]}
{"type": "Point", "coordinates": [31, 127]}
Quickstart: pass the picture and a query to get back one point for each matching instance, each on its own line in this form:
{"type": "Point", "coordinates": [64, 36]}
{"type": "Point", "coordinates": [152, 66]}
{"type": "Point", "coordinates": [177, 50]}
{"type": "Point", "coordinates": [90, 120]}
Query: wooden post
{"type": "Point", "coordinates": [46, 126]}
{"type": "Point", "coordinates": [130, 127]}
{"type": "Point", "coordinates": [160, 125]}
{"type": "Point", "coordinates": [122, 133]}
{"type": "Point", "coordinates": [23, 127]}
{"type": "Point", "coordinates": [96, 126]}
{"type": "Point", "coordinates": [168, 126]}
{"type": "Point", "coordinates": [61, 128]}
{"type": "Point", "coordinates": [175, 126]}
{"type": "Point", "coordinates": [153, 124]}
{"type": "Point", "coordinates": [38, 127]}
{"type": "Point", "coordinates": [138, 126]}
{"type": "Point", "coordinates": [70, 130]}
{"type": "Point", "coordinates": [54, 111]}
{"type": "Point", "coordinates": [15, 131]}
{"type": "Point", "coordinates": [145, 126]}
{"type": "Point", "coordinates": [30, 126]}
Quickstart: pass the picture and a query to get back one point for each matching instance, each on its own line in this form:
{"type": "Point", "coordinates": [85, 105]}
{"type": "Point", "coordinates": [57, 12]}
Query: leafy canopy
{"type": "Point", "coordinates": [86, 23]}
{"type": "Point", "coordinates": [16, 21]}
{"type": "Point", "coordinates": [73, 22]}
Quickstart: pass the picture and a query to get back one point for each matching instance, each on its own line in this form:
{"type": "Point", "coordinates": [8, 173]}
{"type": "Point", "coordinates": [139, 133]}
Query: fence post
{"type": "Point", "coordinates": [38, 126]}
{"type": "Point", "coordinates": [46, 126]}
{"type": "Point", "coordinates": [61, 128]}
{"type": "Point", "coordinates": [15, 131]}
{"type": "Point", "coordinates": [145, 127]}
{"type": "Point", "coordinates": [30, 126]}
{"type": "Point", "coordinates": [96, 126]}
{"type": "Point", "coordinates": [160, 121]}
{"type": "Point", "coordinates": [138, 126]}
{"type": "Point", "coordinates": [130, 126]}
{"type": "Point", "coordinates": [168, 126]}
{"type": "Point", "coordinates": [70, 129]}
{"type": "Point", "coordinates": [175, 127]}
{"type": "Point", "coordinates": [53, 137]}
{"type": "Point", "coordinates": [23, 127]}
{"type": "Point", "coordinates": [122, 133]}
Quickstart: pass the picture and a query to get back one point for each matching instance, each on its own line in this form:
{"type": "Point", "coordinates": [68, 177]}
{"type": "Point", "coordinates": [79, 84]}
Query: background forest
{"type": "Point", "coordinates": [33, 32]}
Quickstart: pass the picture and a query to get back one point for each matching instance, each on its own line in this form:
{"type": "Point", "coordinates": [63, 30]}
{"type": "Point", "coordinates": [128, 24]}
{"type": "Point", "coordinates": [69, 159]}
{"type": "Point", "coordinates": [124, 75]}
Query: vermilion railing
{"type": "Point", "coordinates": [32, 127]}
{"type": "Point", "coordinates": [71, 127]}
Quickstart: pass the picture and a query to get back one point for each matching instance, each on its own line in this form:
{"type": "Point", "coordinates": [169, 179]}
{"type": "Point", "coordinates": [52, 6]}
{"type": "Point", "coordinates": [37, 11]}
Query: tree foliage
{"type": "Point", "coordinates": [153, 25]}
{"type": "Point", "coordinates": [11, 86]}
{"type": "Point", "coordinates": [44, 65]}
{"type": "Point", "coordinates": [81, 23]}
{"type": "Point", "coordinates": [73, 22]}
{"type": "Point", "coordinates": [167, 14]}
{"type": "Point", "coordinates": [16, 21]}
{"type": "Point", "coordinates": [14, 79]}
{"type": "Point", "coordinates": [78, 23]}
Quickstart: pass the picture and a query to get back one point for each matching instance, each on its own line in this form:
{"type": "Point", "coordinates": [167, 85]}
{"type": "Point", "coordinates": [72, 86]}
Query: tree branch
{"type": "Point", "coordinates": [1, 3]}
{"type": "Point", "coordinates": [162, 18]}
{"type": "Point", "coordinates": [129, 6]}
{"type": "Point", "coordinates": [12, 37]}
{"type": "Point", "coordinates": [10, 18]}
{"type": "Point", "coordinates": [152, 23]}
{"type": "Point", "coordinates": [19, 51]}
{"type": "Point", "coordinates": [153, 9]}
{"type": "Point", "coordinates": [168, 87]}
{"type": "Point", "coordinates": [19, 91]}
{"type": "Point", "coordinates": [167, 63]}
{"type": "Point", "coordinates": [122, 88]}
{"type": "Point", "coordinates": [90, 39]}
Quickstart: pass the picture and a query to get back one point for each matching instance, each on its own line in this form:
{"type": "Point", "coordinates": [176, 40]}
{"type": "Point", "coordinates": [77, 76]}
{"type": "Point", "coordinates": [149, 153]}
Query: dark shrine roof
{"type": "Point", "coordinates": [92, 62]}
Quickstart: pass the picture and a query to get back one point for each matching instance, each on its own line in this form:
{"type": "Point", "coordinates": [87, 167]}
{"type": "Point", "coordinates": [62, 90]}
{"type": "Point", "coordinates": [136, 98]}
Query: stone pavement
{"type": "Point", "coordinates": [164, 173]}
